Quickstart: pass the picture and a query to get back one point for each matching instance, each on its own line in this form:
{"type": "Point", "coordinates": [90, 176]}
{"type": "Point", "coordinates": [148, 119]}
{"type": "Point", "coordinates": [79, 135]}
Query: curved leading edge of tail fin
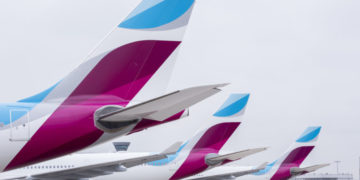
{"type": "Point", "coordinates": [205, 142]}
{"type": "Point", "coordinates": [293, 158]}
{"type": "Point", "coordinates": [234, 106]}
{"type": "Point", "coordinates": [296, 154]}
{"type": "Point", "coordinates": [138, 52]}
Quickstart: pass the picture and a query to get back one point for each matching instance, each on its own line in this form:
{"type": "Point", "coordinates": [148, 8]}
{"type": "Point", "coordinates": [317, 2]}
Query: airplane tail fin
{"type": "Point", "coordinates": [234, 106]}
{"type": "Point", "coordinates": [140, 51]}
{"type": "Point", "coordinates": [302, 147]}
{"type": "Point", "coordinates": [205, 143]}
{"type": "Point", "coordinates": [297, 153]}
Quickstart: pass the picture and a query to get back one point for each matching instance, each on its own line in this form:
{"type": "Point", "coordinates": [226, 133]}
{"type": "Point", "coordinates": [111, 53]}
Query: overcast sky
{"type": "Point", "coordinates": [299, 59]}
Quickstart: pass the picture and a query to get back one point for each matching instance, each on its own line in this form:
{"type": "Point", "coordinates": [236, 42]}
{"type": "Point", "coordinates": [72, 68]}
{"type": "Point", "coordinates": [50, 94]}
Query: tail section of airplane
{"type": "Point", "coordinates": [202, 150]}
{"type": "Point", "coordinates": [302, 147]}
{"type": "Point", "coordinates": [295, 156]}
{"type": "Point", "coordinates": [211, 140]}
{"type": "Point", "coordinates": [130, 63]}
{"type": "Point", "coordinates": [203, 144]}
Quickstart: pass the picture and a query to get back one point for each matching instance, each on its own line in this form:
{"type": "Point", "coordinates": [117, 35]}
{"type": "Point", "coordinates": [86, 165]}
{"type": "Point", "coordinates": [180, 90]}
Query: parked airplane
{"type": "Point", "coordinates": [286, 167]}
{"type": "Point", "coordinates": [196, 155]}
{"type": "Point", "coordinates": [95, 102]}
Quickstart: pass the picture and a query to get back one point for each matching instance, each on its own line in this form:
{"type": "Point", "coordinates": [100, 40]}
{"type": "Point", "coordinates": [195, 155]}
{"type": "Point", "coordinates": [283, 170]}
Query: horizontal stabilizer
{"type": "Point", "coordinates": [233, 156]}
{"type": "Point", "coordinates": [233, 175]}
{"type": "Point", "coordinates": [162, 107]}
{"type": "Point", "coordinates": [300, 171]}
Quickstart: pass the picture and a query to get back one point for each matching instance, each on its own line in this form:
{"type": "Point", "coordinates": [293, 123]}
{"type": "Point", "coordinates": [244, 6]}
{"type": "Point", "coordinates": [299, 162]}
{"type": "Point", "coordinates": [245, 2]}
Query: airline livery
{"type": "Point", "coordinates": [284, 168]}
{"type": "Point", "coordinates": [199, 154]}
{"type": "Point", "coordinates": [117, 91]}
{"type": "Point", "coordinates": [97, 101]}
{"type": "Point", "coordinates": [196, 155]}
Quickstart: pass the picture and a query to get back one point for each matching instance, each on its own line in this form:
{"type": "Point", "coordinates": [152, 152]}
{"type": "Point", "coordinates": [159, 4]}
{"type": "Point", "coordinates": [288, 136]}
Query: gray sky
{"type": "Point", "coordinates": [299, 60]}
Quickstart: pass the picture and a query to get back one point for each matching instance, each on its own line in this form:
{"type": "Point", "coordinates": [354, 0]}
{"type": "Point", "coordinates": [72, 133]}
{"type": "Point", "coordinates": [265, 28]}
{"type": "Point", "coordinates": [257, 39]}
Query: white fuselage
{"type": "Point", "coordinates": [69, 162]}
{"type": "Point", "coordinates": [145, 172]}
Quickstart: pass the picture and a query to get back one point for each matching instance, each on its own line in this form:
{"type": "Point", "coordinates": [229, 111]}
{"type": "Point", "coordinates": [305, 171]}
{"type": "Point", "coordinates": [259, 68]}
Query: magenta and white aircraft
{"type": "Point", "coordinates": [97, 101]}
{"type": "Point", "coordinates": [286, 167]}
{"type": "Point", "coordinates": [201, 153]}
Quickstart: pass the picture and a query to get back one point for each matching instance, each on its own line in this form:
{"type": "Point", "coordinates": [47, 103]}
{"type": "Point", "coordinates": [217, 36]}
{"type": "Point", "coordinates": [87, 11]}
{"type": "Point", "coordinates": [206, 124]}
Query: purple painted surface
{"type": "Point", "coordinates": [115, 80]}
{"type": "Point", "coordinates": [294, 159]}
{"type": "Point", "coordinates": [211, 142]}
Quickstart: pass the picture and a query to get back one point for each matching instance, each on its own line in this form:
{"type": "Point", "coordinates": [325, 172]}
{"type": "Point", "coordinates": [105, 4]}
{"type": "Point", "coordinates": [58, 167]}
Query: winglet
{"type": "Point", "coordinates": [173, 148]}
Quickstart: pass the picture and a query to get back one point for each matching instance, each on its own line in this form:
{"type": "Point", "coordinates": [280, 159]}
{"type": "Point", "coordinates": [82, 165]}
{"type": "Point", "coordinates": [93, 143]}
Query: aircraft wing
{"type": "Point", "coordinates": [95, 170]}
{"type": "Point", "coordinates": [233, 175]}
{"type": "Point", "coordinates": [160, 108]}
{"type": "Point", "coordinates": [300, 171]}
